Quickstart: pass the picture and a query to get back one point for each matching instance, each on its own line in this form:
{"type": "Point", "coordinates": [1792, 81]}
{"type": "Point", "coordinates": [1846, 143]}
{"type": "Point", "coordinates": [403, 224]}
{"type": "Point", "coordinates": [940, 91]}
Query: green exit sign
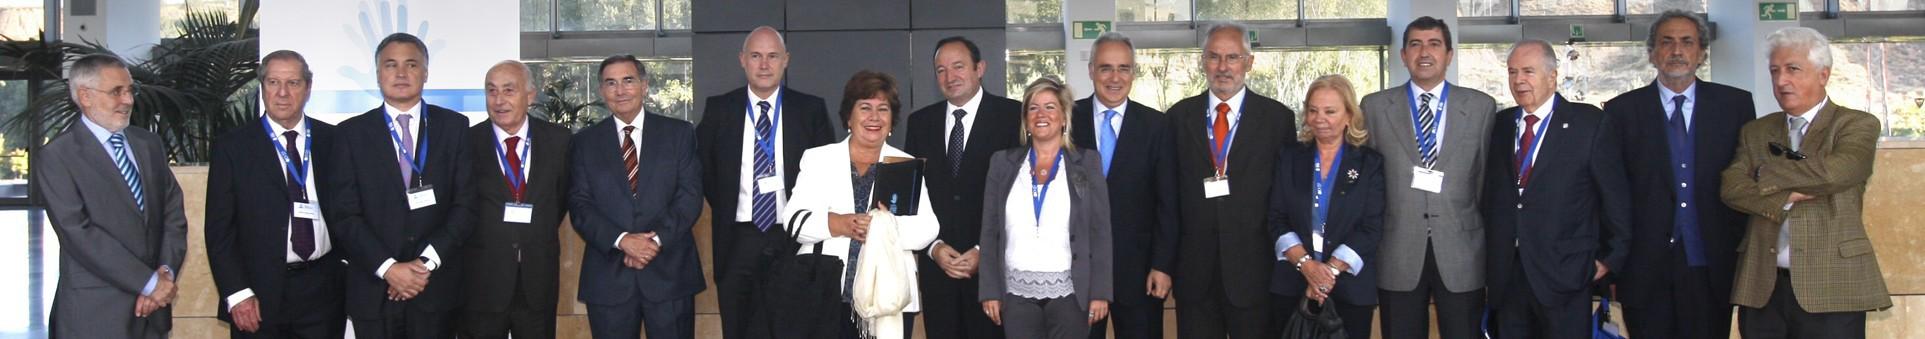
{"type": "Point", "coordinates": [1090, 29]}
{"type": "Point", "coordinates": [1777, 11]}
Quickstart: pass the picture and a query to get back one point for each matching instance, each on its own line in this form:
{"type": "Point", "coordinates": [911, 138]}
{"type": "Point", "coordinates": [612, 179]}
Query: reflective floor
{"type": "Point", "coordinates": [28, 270]}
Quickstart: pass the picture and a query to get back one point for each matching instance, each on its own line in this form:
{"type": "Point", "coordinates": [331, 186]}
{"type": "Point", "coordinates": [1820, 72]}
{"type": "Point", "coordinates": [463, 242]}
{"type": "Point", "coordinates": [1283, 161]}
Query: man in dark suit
{"type": "Point", "coordinates": [514, 253]}
{"type": "Point", "coordinates": [1679, 132]}
{"type": "Point", "coordinates": [634, 194]}
{"type": "Point", "coordinates": [1556, 193]}
{"type": "Point", "coordinates": [957, 136]}
{"type": "Point", "coordinates": [396, 203]}
{"type": "Point", "coordinates": [267, 245]}
{"type": "Point", "coordinates": [751, 141]}
{"type": "Point", "coordinates": [1142, 183]}
{"type": "Point", "coordinates": [1227, 141]}
{"type": "Point", "coordinates": [116, 209]}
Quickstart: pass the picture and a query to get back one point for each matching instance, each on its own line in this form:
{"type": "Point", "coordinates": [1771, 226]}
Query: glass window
{"type": "Point", "coordinates": [22, 20]}
{"type": "Point", "coordinates": [1152, 10]}
{"type": "Point", "coordinates": [1034, 11]}
{"type": "Point", "coordinates": [1165, 76]}
{"type": "Point", "coordinates": [1246, 10]}
{"type": "Point", "coordinates": [1566, 7]}
{"type": "Point", "coordinates": [172, 11]}
{"type": "Point", "coordinates": [1345, 9]}
{"type": "Point", "coordinates": [1659, 6]}
{"type": "Point", "coordinates": [13, 148]}
{"type": "Point", "coordinates": [1883, 77]}
{"type": "Point", "coordinates": [1473, 8]}
{"type": "Point", "coordinates": [535, 15]}
{"type": "Point", "coordinates": [574, 83]}
{"type": "Point", "coordinates": [620, 15]}
{"type": "Point", "coordinates": [1027, 66]}
{"type": "Point", "coordinates": [1588, 72]}
{"type": "Point", "coordinates": [1864, 5]}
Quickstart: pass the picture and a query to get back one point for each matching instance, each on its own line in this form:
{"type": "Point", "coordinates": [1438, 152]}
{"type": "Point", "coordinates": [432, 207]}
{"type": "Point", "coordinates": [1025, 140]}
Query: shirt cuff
{"type": "Point", "coordinates": [1788, 205]}
{"type": "Point", "coordinates": [152, 280]}
{"type": "Point", "coordinates": [434, 259]}
{"type": "Point", "coordinates": [1285, 242]}
{"type": "Point", "coordinates": [238, 297]}
{"type": "Point", "coordinates": [382, 272]}
{"type": "Point", "coordinates": [658, 240]}
{"type": "Point", "coordinates": [932, 246]}
{"type": "Point", "coordinates": [618, 240]}
{"type": "Point", "coordinates": [1349, 257]}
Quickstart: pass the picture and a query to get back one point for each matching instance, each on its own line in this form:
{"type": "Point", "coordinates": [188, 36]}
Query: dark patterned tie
{"type": "Point", "coordinates": [956, 144]}
{"type": "Point", "coordinates": [301, 229]}
{"type": "Point", "coordinates": [629, 158]}
{"type": "Point", "coordinates": [762, 212]}
{"type": "Point", "coordinates": [1427, 131]}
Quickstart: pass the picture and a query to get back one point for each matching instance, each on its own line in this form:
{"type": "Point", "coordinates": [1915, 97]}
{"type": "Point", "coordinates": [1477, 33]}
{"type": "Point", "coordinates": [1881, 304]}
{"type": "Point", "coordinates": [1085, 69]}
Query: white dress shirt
{"type": "Point", "coordinates": [322, 243]}
{"type": "Point", "coordinates": [1116, 123]}
{"type": "Point", "coordinates": [969, 117]}
{"type": "Point", "coordinates": [745, 194]}
{"type": "Point", "coordinates": [501, 140]}
{"type": "Point", "coordinates": [1784, 229]}
{"type": "Point", "coordinates": [1437, 106]}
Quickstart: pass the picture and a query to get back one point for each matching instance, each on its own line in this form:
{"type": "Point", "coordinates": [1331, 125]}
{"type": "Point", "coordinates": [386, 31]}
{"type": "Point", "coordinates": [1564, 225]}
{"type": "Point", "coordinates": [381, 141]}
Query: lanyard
{"type": "Point", "coordinates": [516, 180]}
{"type": "Point", "coordinates": [1324, 184]}
{"type": "Point", "coordinates": [417, 157]}
{"type": "Point", "coordinates": [296, 172]}
{"type": "Point", "coordinates": [1221, 154]}
{"type": "Point", "coordinates": [767, 144]}
{"type": "Point", "coordinates": [1530, 151]}
{"type": "Point", "coordinates": [1443, 98]}
{"type": "Point", "coordinates": [1039, 191]}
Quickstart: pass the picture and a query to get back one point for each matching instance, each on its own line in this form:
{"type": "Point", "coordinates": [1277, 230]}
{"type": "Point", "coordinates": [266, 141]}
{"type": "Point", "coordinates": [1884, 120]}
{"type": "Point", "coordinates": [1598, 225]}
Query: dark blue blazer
{"type": "Point", "coordinates": [1356, 217]}
{"type": "Point", "coordinates": [667, 201]}
{"type": "Point", "coordinates": [1142, 183]}
{"type": "Point", "coordinates": [1576, 209]}
{"type": "Point", "coordinates": [367, 210]}
{"type": "Point", "coordinates": [1720, 112]}
{"type": "Point", "coordinates": [248, 210]}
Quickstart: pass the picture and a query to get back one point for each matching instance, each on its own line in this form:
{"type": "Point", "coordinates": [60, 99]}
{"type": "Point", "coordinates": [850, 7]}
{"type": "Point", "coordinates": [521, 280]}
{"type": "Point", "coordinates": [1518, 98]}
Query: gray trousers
{"type": "Point", "coordinates": [1059, 318]}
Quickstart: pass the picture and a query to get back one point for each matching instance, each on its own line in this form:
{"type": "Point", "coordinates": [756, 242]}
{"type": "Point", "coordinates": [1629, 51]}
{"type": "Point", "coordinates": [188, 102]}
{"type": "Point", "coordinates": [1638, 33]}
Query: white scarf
{"type": "Point", "coordinates": [882, 289]}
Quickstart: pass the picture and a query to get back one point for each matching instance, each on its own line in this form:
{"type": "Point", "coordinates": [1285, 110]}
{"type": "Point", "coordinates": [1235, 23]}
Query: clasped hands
{"type": "Point", "coordinates": [162, 296]}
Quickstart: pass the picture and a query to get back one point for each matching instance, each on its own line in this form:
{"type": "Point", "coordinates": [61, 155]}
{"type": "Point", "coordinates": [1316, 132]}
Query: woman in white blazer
{"type": "Point", "coordinates": [831, 204]}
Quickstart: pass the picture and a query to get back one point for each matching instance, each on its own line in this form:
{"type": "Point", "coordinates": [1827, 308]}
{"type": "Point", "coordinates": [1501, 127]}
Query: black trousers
{"type": "Point", "coordinates": [1055, 318]}
{"type": "Point", "coordinates": [949, 306]}
{"type": "Point", "coordinates": [524, 318]}
{"type": "Point", "coordinates": [673, 319]}
{"type": "Point", "coordinates": [1522, 315]}
{"type": "Point", "coordinates": [1211, 314]}
{"type": "Point", "coordinates": [1356, 318]}
{"type": "Point", "coordinates": [406, 320]}
{"type": "Point", "coordinates": [311, 305]}
{"type": "Point", "coordinates": [1683, 308]}
{"type": "Point", "coordinates": [1406, 314]}
{"type": "Point", "coordinates": [1782, 317]}
{"type": "Point", "coordinates": [747, 264]}
{"type": "Point", "coordinates": [1137, 316]}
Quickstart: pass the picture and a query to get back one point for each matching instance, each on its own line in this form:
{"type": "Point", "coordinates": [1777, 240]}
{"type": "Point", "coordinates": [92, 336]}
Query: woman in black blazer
{"type": "Point", "coordinates": [1326, 210]}
{"type": "Point", "coordinates": [1046, 262]}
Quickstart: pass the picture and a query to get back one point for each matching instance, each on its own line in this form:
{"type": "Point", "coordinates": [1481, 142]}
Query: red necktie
{"type": "Point", "coordinates": [514, 164]}
{"type": "Point", "coordinates": [1524, 150]}
{"type": "Point", "coordinates": [628, 155]}
{"type": "Point", "coordinates": [1222, 131]}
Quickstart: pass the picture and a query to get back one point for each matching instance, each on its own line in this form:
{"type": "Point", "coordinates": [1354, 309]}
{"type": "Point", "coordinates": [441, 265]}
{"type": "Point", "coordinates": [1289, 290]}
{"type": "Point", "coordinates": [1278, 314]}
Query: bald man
{"type": "Point", "coordinates": [520, 195]}
{"type": "Point", "coordinates": [751, 140]}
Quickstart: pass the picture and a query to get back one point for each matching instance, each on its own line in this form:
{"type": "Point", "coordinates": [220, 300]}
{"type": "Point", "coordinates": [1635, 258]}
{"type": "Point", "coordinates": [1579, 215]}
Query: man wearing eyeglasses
{"type": "Point", "coordinates": [1806, 269]}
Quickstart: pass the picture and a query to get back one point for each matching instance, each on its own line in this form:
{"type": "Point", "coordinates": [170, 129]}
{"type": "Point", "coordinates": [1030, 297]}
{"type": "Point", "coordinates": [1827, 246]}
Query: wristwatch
{"type": "Point", "coordinates": [1300, 260]}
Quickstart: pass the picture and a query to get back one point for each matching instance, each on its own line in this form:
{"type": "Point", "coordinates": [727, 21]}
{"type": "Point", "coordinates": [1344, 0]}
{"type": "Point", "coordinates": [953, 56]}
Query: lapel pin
{"type": "Point", "coordinates": [1352, 174]}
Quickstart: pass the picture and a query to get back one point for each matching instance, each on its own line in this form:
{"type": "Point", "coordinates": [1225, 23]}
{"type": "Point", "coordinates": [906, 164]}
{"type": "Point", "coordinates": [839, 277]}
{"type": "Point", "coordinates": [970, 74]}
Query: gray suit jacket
{"type": "Point", "coordinates": [1092, 266]}
{"type": "Point", "coordinates": [1448, 220]}
{"type": "Point", "coordinates": [108, 246]}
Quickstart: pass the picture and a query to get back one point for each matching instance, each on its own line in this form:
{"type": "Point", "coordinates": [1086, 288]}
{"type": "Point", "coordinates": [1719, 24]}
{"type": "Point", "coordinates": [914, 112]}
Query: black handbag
{"type": "Point", "coordinates": [798, 297]}
{"type": "Point", "coordinates": [1319, 323]}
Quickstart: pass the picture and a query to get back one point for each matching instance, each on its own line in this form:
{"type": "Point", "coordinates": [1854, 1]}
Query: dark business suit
{"type": "Point", "coordinates": [248, 220]}
{"type": "Point", "coordinates": [666, 200]}
{"type": "Point", "coordinates": [367, 210]}
{"type": "Point", "coordinates": [1143, 224]}
{"type": "Point", "coordinates": [513, 268]}
{"type": "Point", "coordinates": [1574, 211]}
{"type": "Point", "coordinates": [1664, 296]}
{"type": "Point", "coordinates": [1224, 240]}
{"type": "Point", "coordinates": [1355, 218]}
{"type": "Point", "coordinates": [1091, 262]}
{"type": "Point", "coordinates": [109, 245]}
{"type": "Point", "coordinates": [949, 306]}
{"type": "Point", "coordinates": [741, 250]}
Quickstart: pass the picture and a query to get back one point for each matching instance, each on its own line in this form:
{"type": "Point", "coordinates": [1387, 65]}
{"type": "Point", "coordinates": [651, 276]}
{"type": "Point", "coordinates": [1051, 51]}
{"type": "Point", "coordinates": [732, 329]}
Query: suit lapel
{"type": "Point", "coordinates": [729, 141]}
{"type": "Point", "coordinates": [1557, 133]}
{"type": "Point", "coordinates": [1458, 139]}
{"type": "Point", "coordinates": [1654, 118]}
{"type": "Point", "coordinates": [96, 159]}
{"type": "Point", "coordinates": [269, 160]}
{"type": "Point", "coordinates": [1240, 157]}
{"type": "Point", "coordinates": [1820, 130]}
{"type": "Point", "coordinates": [1401, 127]}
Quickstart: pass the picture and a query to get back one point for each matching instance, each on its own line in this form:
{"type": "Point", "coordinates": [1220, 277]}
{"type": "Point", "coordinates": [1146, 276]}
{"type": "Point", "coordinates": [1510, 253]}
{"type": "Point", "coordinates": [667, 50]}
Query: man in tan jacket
{"type": "Point", "coordinates": [1806, 268]}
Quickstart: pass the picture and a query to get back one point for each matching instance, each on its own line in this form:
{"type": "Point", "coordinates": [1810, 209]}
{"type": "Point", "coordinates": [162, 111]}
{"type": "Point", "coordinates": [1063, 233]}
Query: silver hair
{"type": "Point", "coordinates": [85, 72]}
{"type": "Point", "coordinates": [1817, 46]}
{"type": "Point", "coordinates": [778, 37]}
{"type": "Point", "coordinates": [260, 72]}
{"type": "Point", "coordinates": [1243, 32]}
{"type": "Point", "coordinates": [1549, 55]}
{"type": "Point", "coordinates": [1114, 37]}
{"type": "Point", "coordinates": [1704, 31]}
{"type": "Point", "coordinates": [527, 76]}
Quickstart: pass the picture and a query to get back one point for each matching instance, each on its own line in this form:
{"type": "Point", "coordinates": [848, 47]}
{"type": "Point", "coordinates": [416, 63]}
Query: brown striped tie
{"type": "Point", "coordinates": [628, 155]}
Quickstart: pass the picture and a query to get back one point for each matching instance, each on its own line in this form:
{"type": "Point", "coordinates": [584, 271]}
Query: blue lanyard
{"type": "Point", "coordinates": [1325, 184]}
{"type": "Point", "coordinates": [1530, 151]}
{"type": "Point", "coordinates": [1220, 154]}
{"type": "Point", "coordinates": [515, 178]}
{"type": "Point", "coordinates": [296, 172]}
{"type": "Point", "coordinates": [419, 157]}
{"type": "Point", "coordinates": [1443, 99]}
{"type": "Point", "coordinates": [767, 144]}
{"type": "Point", "coordinates": [1039, 191]}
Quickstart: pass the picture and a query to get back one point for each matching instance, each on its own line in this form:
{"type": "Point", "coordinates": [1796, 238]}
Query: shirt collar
{"type": "Point", "coordinates": [300, 126]}
{"type": "Point", "coordinates": [1544, 111]}
{"type": "Point", "coordinates": [1236, 102]}
{"type": "Point", "coordinates": [100, 133]}
{"type": "Point", "coordinates": [1416, 90]}
{"type": "Point", "coordinates": [619, 124]}
{"type": "Point", "coordinates": [1690, 94]}
{"type": "Point", "coordinates": [502, 135]}
{"type": "Point", "coordinates": [395, 112]}
{"type": "Point", "coordinates": [771, 99]}
{"type": "Point", "coordinates": [970, 107]}
{"type": "Point", "coordinates": [1098, 107]}
{"type": "Point", "coordinates": [1812, 114]}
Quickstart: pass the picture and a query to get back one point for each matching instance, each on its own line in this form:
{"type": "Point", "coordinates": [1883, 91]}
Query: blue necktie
{"type": "Point", "coordinates": [127, 170]}
{"type": "Point", "coordinates": [1427, 134]}
{"type": "Point", "coordinates": [763, 210]}
{"type": "Point", "coordinates": [1106, 136]}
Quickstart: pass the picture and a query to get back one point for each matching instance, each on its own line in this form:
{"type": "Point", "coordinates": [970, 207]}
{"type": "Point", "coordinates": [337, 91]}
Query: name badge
{"type": "Point", "coordinates": [1427, 180]}
{"type": "Point", "coordinates": [768, 184]}
{"type": "Point", "coordinates": [1214, 187]}
{"type": "Point", "coordinates": [307, 211]}
{"type": "Point", "coordinates": [518, 213]}
{"type": "Point", "coordinates": [419, 197]}
{"type": "Point", "coordinates": [1316, 242]}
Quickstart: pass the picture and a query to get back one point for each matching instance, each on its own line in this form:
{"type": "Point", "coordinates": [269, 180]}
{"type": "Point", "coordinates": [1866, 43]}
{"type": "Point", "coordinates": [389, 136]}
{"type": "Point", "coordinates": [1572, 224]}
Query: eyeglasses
{"type": "Point", "coordinates": [1779, 149]}
{"type": "Point", "coordinates": [117, 92]}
